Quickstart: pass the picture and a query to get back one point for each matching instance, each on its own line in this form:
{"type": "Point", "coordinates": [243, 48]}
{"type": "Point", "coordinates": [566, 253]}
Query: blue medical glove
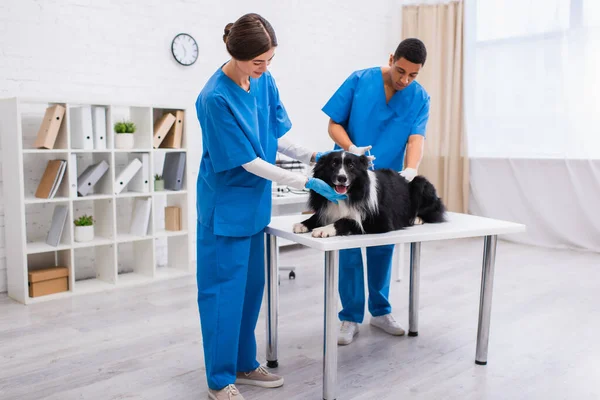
{"type": "Point", "coordinates": [325, 190]}
{"type": "Point", "coordinates": [322, 153]}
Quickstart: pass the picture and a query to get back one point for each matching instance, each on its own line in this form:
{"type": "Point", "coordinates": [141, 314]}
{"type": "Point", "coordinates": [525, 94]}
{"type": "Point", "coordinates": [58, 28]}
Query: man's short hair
{"type": "Point", "coordinates": [411, 49]}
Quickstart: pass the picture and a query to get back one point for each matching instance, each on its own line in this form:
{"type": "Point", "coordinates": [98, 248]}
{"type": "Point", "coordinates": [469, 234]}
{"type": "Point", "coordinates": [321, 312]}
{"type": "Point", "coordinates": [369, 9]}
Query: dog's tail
{"type": "Point", "coordinates": [425, 202]}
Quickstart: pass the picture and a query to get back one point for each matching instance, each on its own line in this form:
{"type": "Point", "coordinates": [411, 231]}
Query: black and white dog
{"type": "Point", "coordinates": [378, 201]}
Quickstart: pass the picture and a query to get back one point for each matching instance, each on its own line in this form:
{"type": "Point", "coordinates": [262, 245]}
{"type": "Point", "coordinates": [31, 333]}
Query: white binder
{"type": "Point", "coordinates": [141, 181]}
{"type": "Point", "coordinates": [81, 128]}
{"type": "Point", "coordinates": [140, 217]}
{"type": "Point", "coordinates": [72, 166]}
{"type": "Point", "coordinates": [127, 174]}
{"type": "Point", "coordinates": [89, 177]}
{"type": "Point", "coordinates": [99, 127]}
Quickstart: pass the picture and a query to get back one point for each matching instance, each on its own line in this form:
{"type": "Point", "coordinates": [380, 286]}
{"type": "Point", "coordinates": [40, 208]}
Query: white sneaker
{"type": "Point", "coordinates": [229, 392]}
{"type": "Point", "coordinates": [347, 332]}
{"type": "Point", "coordinates": [388, 324]}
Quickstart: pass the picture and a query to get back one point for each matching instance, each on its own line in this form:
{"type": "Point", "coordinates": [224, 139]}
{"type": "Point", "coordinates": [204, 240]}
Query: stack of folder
{"type": "Point", "coordinates": [48, 131]}
{"type": "Point", "coordinates": [51, 179]}
{"type": "Point", "coordinates": [88, 127]}
{"type": "Point", "coordinates": [136, 175]}
{"type": "Point", "coordinates": [140, 218]}
{"type": "Point", "coordinates": [89, 177]}
{"type": "Point", "coordinates": [59, 217]}
{"type": "Point", "coordinates": [168, 130]}
{"type": "Point", "coordinates": [173, 170]}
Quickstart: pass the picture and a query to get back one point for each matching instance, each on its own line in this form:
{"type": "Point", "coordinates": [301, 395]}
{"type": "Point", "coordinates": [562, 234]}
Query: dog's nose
{"type": "Point", "coordinates": [342, 178]}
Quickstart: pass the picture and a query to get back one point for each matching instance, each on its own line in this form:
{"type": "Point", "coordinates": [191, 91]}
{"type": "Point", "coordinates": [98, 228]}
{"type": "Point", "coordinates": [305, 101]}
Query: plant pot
{"type": "Point", "coordinates": [124, 140]}
{"type": "Point", "coordinates": [84, 233]}
{"type": "Point", "coordinates": [159, 185]}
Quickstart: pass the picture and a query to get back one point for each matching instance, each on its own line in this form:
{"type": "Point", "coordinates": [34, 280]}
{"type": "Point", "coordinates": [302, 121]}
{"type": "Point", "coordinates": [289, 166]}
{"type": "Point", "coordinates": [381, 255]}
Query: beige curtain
{"type": "Point", "coordinates": [445, 160]}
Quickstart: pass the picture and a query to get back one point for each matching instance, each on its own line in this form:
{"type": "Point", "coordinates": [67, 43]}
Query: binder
{"type": "Point", "coordinates": [172, 218]}
{"type": "Point", "coordinates": [141, 180]}
{"type": "Point", "coordinates": [174, 136]}
{"type": "Point", "coordinates": [59, 217]}
{"type": "Point", "coordinates": [99, 127]}
{"type": "Point", "coordinates": [51, 179]}
{"type": "Point", "coordinates": [140, 217]}
{"type": "Point", "coordinates": [50, 126]}
{"type": "Point", "coordinates": [127, 174]}
{"type": "Point", "coordinates": [161, 128]}
{"type": "Point", "coordinates": [173, 170]}
{"type": "Point", "coordinates": [81, 128]}
{"type": "Point", "coordinates": [72, 165]}
{"type": "Point", "coordinates": [89, 177]}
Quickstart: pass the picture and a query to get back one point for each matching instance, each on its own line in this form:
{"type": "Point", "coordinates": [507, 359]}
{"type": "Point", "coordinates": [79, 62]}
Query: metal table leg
{"type": "Point", "coordinates": [330, 325]}
{"type": "Point", "coordinates": [485, 300]}
{"type": "Point", "coordinates": [272, 298]}
{"type": "Point", "coordinates": [413, 301]}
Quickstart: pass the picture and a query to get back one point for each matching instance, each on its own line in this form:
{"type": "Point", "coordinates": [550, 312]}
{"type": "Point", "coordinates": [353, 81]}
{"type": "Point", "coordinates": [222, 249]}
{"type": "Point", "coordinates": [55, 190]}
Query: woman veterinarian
{"type": "Point", "coordinates": [242, 121]}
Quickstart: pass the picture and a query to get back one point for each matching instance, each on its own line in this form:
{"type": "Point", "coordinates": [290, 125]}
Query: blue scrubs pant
{"type": "Point", "coordinates": [352, 285]}
{"type": "Point", "coordinates": [231, 280]}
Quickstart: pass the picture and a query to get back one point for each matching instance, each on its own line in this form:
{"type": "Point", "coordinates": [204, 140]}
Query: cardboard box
{"type": "Point", "coordinates": [48, 281]}
{"type": "Point", "coordinates": [172, 218]}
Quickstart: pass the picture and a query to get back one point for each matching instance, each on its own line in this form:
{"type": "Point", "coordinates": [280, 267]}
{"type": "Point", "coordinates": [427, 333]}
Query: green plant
{"type": "Point", "coordinates": [158, 177]}
{"type": "Point", "coordinates": [84, 220]}
{"type": "Point", "coordinates": [124, 127]}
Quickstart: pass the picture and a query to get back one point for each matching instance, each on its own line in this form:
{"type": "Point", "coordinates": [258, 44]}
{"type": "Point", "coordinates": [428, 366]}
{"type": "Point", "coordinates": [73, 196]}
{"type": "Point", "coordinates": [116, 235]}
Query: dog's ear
{"type": "Point", "coordinates": [364, 161]}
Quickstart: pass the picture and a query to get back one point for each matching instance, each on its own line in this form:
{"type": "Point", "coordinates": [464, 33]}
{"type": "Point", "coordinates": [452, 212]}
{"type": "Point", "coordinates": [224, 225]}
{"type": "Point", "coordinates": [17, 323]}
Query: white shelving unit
{"type": "Point", "coordinates": [114, 258]}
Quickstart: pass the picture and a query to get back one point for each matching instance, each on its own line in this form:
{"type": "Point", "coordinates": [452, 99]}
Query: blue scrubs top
{"type": "Point", "coordinates": [359, 106]}
{"type": "Point", "coordinates": [237, 126]}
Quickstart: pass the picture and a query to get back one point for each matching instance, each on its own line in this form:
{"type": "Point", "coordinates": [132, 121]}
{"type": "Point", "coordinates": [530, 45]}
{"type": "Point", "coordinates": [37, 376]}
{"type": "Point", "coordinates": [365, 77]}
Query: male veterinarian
{"type": "Point", "coordinates": [384, 110]}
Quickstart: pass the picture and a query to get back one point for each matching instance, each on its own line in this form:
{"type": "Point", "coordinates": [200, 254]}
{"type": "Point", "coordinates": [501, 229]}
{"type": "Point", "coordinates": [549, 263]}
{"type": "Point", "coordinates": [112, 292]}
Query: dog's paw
{"type": "Point", "coordinates": [325, 231]}
{"type": "Point", "coordinates": [418, 221]}
{"type": "Point", "coordinates": [300, 228]}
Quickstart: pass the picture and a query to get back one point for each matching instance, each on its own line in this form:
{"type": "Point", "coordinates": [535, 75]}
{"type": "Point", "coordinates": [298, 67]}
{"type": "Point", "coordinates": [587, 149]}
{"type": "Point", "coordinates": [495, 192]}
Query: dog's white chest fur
{"type": "Point", "coordinates": [333, 212]}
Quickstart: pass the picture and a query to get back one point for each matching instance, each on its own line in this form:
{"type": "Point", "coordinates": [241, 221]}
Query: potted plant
{"type": "Point", "coordinates": [84, 228]}
{"type": "Point", "coordinates": [159, 183]}
{"type": "Point", "coordinates": [124, 134]}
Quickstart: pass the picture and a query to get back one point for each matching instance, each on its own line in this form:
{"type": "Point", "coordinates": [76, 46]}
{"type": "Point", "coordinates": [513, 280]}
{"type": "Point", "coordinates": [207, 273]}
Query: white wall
{"type": "Point", "coordinates": [120, 51]}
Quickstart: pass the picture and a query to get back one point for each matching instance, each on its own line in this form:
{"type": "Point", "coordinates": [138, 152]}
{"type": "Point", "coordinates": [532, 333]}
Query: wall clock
{"type": "Point", "coordinates": [184, 49]}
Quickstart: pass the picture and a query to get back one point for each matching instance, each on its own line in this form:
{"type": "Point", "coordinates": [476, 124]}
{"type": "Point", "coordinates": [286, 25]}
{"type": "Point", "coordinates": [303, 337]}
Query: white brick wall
{"type": "Point", "coordinates": [105, 51]}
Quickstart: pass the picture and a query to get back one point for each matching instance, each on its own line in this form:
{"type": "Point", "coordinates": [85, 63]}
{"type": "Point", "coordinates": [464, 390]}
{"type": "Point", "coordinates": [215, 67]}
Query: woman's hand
{"type": "Point", "coordinates": [325, 190]}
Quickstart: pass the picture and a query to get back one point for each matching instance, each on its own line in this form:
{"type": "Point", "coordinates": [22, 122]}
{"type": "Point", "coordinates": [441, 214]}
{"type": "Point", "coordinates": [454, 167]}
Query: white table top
{"type": "Point", "coordinates": [458, 226]}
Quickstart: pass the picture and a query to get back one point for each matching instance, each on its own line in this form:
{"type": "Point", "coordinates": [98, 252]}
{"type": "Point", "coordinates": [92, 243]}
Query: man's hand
{"type": "Point", "coordinates": [409, 174]}
{"type": "Point", "coordinates": [360, 151]}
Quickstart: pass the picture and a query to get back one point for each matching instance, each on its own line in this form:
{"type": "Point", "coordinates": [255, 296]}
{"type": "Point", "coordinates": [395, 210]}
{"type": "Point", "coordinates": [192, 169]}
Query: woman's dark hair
{"type": "Point", "coordinates": [248, 37]}
{"type": "Point", "coordinates": [412, 50]}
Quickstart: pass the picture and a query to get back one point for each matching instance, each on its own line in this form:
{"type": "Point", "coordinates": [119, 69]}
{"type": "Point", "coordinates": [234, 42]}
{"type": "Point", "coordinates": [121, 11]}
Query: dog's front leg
{"type": "Point", "coordinates": [341, 227]}
{"type": "Point", "coordinates": [307, 225]}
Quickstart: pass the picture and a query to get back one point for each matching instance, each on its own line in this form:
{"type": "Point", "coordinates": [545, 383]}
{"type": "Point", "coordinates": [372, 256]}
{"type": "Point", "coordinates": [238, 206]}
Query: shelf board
{"type": "Point", "coordinates": [93, 197]}
{"type": "Point", "coordinates": [133, 194]}
{"type": "Point", "coordinates": [168, 192]}
{"type": "Point", "coordinates": [35, 200]}
{"type": "Point", "coordinates": [165, 233]}
{"type": "Point", "coordinates": [148, 150]}
{"type": "Point", "coordinates": [127, 237]}
{"type": "Point", "coordinates": [92, 286]}
{"type": "Point", "coordinates": [44, 151]}
{"type": "Point", "coordinates": [133, 278]}
{"type": "Point", "coordinates": [43, 247]}
{"type": "Point", "coordinates": [97, 241]}
{"type": "Point", "coordinates": [91, 151]}
{"type": "Point", "coordinates": [169, 273]}
{"type": "Point", "coordinates": [170, 150]}
{"type": "Point", "coordinates": [54, 296]}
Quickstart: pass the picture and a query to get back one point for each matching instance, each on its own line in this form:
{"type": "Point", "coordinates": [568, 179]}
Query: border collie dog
{"type": "Point", "coordinates": [378, 201]}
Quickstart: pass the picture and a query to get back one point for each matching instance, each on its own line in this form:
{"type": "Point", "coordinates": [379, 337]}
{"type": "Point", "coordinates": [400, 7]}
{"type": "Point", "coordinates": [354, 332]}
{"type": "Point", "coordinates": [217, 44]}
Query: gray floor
{"type": "Point", "coordinates": [145, 343]}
